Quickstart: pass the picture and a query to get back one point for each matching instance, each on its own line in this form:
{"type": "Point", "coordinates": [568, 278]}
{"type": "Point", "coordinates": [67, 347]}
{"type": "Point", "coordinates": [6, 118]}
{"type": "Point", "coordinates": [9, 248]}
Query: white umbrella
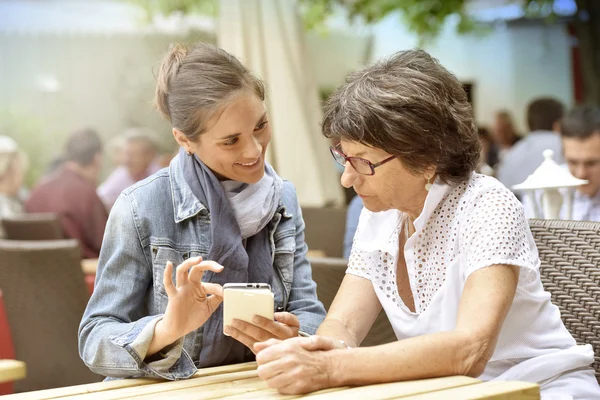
{"type": "Point", "coordinates": [267, 35]}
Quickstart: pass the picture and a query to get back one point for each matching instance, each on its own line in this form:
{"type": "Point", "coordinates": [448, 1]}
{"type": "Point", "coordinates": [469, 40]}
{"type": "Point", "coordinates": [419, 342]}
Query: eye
{"type": "Point", "coordinates": [231, 142]}
{"type": "Point", "coordinates": [261, 126]}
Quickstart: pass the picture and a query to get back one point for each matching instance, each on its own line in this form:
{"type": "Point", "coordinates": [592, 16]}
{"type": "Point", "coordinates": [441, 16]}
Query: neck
{"type": "Point", "coordinates": [88, 172]}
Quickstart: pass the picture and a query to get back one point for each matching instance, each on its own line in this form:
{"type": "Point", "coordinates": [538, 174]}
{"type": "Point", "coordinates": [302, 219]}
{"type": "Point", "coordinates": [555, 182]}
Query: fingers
{"type": "Point", "coordinates": [256, 333]}
{"type": "Point", "coordinates": [214, 289]}
{"type": "Point", "coordinates": [287, 319]}
{"type": "Point", "coordinates": [275, 351]}
{"type": "Point", "coordinates": [240, 337]}
{"type": "Point", "coordinates": [168, 281]}
{"type": "Point", "coordinates": [258, 347]}
{"type": "Point", "coordinates": [322, 343]}
{"type": "Point", "coordinates": [277, 329]}
{"type": "Point", "coordinates": [183, 268]}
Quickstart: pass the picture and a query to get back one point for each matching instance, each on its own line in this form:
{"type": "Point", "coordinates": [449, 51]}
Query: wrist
{"type": "Point", "coordinates": [333, 367]}
{"type": "Point", "coordinates": [163, 334]}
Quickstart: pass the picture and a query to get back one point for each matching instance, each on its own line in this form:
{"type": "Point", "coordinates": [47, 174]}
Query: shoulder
{"type": "Point", "coordinates": [289, 197]}
{"type": "Point", "coordinates": [482, 188]}
{"type": "Point", "coordinates": [155, 184]}
{"type": "Point", "coordinates": [488, 203]}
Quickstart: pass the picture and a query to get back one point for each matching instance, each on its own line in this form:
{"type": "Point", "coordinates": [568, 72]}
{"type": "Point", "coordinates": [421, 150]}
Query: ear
{"type": "Point", "coordinates": [182, 140]}
{"type": "Point", "coordinates": [430, 172]}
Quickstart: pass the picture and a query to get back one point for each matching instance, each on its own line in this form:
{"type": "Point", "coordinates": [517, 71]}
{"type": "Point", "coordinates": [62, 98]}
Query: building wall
{"type": "Point", "coordinates": [509, 65]}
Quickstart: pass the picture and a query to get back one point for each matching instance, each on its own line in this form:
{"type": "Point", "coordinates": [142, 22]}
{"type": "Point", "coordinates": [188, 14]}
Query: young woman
{"type": "Point", "coordinates": [221, 213]}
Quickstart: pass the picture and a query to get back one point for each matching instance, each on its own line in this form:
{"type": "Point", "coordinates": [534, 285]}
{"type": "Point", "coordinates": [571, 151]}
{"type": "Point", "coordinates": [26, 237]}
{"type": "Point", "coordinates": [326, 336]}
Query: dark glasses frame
{"type": "Point", "coordinates": [336, 150]}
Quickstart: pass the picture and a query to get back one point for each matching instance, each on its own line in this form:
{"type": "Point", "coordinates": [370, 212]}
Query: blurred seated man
{"type": "Point", "coordinates": [580, 134]}
{"type": "Point", "coordinates": [70, 192]}
{"type": "Point", "coordinates": [139, 156]}
{"type": "Point", "coordinates": [352, 216]}
{"type": "Point", "coordinates": [13, 165]}
{"type": "Point", "coordinates": [543, 119]}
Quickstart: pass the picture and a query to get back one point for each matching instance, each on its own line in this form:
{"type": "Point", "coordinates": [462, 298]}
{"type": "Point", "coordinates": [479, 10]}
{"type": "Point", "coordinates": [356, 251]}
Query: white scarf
{"type": "Point", "coordinates": [253, 204]}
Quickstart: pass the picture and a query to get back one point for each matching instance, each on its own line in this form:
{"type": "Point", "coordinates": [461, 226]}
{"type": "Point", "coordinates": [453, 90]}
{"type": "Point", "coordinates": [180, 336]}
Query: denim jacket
{"type": "Point", "coordinates": [159, 220]}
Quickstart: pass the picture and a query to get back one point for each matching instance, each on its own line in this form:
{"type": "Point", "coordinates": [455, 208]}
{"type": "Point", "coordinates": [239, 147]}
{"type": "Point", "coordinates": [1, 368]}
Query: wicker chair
{"type": "Point", "coordinates": [328, 274]}
{"type": "Point", "coordinates": [325, 228]}
{"type": "Point", "coordinates": [45, 296]}
{"type": "Point", "coordinates": [570, 271]}
{"type": "Point", "coordinates": [36, 226]}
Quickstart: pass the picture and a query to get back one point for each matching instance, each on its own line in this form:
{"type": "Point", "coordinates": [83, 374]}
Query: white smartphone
{"type": "Point", "coordinates": [245, 300]}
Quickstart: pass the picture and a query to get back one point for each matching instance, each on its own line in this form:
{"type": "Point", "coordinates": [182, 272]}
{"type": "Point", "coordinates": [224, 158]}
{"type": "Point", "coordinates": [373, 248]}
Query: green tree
{"type": "Point", "coordinates": [426, 19]}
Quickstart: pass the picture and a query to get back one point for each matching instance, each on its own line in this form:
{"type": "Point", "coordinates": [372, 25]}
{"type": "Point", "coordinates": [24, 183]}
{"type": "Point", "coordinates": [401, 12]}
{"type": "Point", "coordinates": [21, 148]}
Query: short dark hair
{"type": "Point", "coordinates": [412, 107]}
{"type": "Point", "coordinates": [543, 113]}
{"type": "Point", "coordinates": [82, 146]}
{"type": "Point", "coordinates": [581, 122]}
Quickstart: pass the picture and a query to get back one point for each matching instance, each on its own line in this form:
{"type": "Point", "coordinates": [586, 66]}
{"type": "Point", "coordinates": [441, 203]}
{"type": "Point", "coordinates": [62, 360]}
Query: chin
{"type": "Point", "coordinates": [588, 190]}
{"type": "Point", "coordinates": [374, 206]}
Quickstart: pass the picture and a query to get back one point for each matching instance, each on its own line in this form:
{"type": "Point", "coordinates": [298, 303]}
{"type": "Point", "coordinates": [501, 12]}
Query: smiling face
{"type": "Point", "coordinates": [235, 144]}
{"type": "Point", "coordinates": [392, 187]}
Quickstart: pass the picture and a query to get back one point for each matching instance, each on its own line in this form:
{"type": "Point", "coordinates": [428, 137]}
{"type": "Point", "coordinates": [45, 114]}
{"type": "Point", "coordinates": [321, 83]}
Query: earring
{"type": "Point", "coordinates": [189, 153]}
{"type": "Point", "coordinates": [428, 184]}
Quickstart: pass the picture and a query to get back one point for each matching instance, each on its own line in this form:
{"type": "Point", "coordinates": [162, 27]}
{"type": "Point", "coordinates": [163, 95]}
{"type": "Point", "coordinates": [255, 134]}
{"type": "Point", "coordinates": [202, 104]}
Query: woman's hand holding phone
{"type": "Point", "coordinates": [261, 329]}
{"type": "Point", "coordinates": [191, 301]}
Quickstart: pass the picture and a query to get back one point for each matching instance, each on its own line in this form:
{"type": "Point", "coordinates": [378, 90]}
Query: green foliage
{"type": "Point", "coordinates": [425, 18]}
{"type": "Point", "coordinates": [168, 7]}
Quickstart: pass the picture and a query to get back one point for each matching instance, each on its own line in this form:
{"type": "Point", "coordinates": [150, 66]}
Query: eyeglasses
{"type": "Point", "coordinates": [360, 165]}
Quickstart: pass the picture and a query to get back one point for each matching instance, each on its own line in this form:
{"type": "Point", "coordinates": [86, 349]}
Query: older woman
{"type": "Point", "coordinates": [446, 252]}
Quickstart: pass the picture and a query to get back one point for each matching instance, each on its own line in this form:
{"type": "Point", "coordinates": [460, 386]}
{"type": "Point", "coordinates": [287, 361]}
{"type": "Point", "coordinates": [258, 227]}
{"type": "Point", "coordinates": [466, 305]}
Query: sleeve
{"type": "Point", "coordinates": [496, 232]}
{"type": "Point", "coordinates": [303, 301]}
{"type": "Point", "coordinates": [116, 330]}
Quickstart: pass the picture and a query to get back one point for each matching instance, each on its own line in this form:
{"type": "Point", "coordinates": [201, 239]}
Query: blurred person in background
{"type": "Point", "coordinates": [13, 165]}
{"type": "Point", "coordinates": [543, 120]}
{"type": "Point", "coordinates": [139, 162]}
{"type": "Point", "coordinates": [219, 214]}
{"type": "Point", "coordinates": [116, 151]}
{"type": "Point", "coordinates": [504, 135]}
{"type": "Point", "coordinates": [487, 142]}
{"type": "Point", "coordinates": [70, 192]}
{"type": "Point", "coordinates": [580, 135]}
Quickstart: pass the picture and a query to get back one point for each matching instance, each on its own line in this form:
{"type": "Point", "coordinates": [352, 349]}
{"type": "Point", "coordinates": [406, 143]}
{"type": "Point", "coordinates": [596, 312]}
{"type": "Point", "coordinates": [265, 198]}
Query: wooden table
{"type": "Point", "coordinates": [241, 382]}
{"type": "Point", "coordinates": [11, 370]}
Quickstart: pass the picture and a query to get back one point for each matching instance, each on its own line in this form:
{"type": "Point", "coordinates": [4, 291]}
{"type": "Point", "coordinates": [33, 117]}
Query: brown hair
{"type": "Point", "coordinates": [410, 106]}
{"type": "Point", "coordinates": [194, 84]}
{"type": "Point", "coordinates": [581, 122]}
{"type": "Point", "coordinates": [542, 113]}
{"type": "Point", "coordinates": [82, 146]}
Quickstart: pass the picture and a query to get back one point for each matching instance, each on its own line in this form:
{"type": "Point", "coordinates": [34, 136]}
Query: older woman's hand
{"type": "Point", "coordinates": [261, 329]}
{"type": "Point", "coordinates": [297, 366]}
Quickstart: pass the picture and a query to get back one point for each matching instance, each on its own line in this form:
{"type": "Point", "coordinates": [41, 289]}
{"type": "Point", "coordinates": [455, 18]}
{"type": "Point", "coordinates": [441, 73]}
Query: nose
{"type": "Point", "coordinates": [580, 171]}
{"type": "Point", "coordinates": [348, 176]}
{"type": "Point", "coordinates": [253, 149]}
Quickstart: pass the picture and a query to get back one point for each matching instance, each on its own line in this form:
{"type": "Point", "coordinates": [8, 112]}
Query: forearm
{"type": "Point", "coordinates": [336, 329]}
{"type": "Point", "coordinates": [428, 356]}
{"type": "Point", "coordinates": [161, 339]}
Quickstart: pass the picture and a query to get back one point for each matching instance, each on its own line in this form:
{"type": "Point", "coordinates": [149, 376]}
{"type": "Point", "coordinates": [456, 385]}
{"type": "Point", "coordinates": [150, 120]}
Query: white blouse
{"type": "Point", "coordinates": [462, 229]}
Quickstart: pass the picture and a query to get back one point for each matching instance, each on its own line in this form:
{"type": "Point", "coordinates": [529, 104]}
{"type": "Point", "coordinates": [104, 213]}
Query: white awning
{"type": "Point", "coordinates": [267, 35]}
